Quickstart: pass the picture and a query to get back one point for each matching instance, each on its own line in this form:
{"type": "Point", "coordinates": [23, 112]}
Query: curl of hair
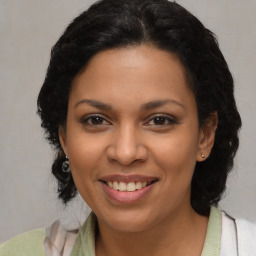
{"type": "Point", "coordinates": [168, 26]}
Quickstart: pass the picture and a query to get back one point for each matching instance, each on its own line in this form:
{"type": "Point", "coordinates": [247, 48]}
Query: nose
{"type": "Point", "coordinates": [127, 146]}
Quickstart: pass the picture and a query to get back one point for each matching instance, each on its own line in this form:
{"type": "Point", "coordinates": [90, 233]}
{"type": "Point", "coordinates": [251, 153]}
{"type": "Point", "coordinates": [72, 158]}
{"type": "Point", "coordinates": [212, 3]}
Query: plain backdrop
{"type": "Point", "coordinates": [28, 29]}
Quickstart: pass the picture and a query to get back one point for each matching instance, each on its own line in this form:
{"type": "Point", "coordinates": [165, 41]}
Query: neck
{"type": "Point", "coordinates": [175, 234]}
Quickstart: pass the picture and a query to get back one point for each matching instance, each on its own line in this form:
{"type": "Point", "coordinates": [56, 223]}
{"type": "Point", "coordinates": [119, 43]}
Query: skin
{"type": "Point", "coordinates": [127, 138]}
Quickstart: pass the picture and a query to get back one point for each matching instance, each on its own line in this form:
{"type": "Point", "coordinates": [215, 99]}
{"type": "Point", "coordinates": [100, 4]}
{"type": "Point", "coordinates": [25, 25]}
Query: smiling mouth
{"type": "Point", "coordinates": [129, 186]}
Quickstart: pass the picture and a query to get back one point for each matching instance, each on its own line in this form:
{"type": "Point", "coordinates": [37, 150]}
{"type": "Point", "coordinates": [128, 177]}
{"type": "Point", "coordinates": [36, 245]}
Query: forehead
{"type": "Point", "coordinates": [139, 72]}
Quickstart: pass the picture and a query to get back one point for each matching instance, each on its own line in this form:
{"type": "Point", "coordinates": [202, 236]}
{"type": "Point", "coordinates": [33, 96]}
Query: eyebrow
{"type": "Point", "coordinates": [148, 106]}
{"type": "Point", "coordinates": [94, 103]}
{"type": "Point", "coordinates": [159, 103]}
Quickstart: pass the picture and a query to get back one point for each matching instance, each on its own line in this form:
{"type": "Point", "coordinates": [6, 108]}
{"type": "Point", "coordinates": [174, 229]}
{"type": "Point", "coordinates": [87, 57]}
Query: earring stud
{"type": "Point", "coordinates": [202, 155]}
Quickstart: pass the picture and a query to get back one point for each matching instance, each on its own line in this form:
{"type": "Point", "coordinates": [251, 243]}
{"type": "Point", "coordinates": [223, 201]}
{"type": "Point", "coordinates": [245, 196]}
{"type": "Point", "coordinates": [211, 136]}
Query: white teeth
{"type": "Point", "coordinates": [131, 187]}
{"type": "Point", "coordinates": [138, 185]}
{"type": "Point", "coordinates": [110, 184]}
{"type": "Point", "coordinates": [122, 186]}
{"type": "Point", "coordinates": [127, 187]}
{"type": "Point", "coordinates": [115, 185]}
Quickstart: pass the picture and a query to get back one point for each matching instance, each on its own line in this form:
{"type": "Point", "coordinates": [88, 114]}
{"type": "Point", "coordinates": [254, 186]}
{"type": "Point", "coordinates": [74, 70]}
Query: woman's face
{"type": "Point", "coordinates": [132, 137]}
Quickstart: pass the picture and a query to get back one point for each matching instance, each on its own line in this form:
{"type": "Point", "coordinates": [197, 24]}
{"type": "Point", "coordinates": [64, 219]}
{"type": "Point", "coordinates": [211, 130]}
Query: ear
{"type": "Point", "coordinates": [62, 139]}
{"type": "Point", "coordinates": [207, 137]}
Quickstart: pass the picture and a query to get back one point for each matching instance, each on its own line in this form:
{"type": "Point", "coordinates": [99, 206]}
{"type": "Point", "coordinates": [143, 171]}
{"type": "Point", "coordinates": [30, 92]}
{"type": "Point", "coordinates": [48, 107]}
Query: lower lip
{"type": "Point", "coordinates": [127, 197]}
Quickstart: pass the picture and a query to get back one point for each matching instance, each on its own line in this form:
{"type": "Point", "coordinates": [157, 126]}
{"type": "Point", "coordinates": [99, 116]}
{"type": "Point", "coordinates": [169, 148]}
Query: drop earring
{"type": "Point", "coordinates": [65, 165]}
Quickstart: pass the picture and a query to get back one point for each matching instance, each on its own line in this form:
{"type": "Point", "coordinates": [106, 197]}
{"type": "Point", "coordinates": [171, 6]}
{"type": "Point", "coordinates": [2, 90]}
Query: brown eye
{"type": "Point", "coordinates": [161, 120]}
{"type": "Point", "coordinates": [95, 120]}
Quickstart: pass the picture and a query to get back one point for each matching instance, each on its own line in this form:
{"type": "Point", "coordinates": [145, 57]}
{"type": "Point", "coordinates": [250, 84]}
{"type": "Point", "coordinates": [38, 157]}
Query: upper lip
{"type": "Point", "coordinates": [128, 178]}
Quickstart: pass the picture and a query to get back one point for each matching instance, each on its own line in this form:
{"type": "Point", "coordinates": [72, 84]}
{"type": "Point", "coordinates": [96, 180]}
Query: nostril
{"type": "Point", "coordinates": [127, 146]}
{"type": "Point", "coordinates": [122, 156]}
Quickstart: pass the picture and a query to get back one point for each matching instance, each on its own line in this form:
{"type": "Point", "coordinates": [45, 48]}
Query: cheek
{"type": "Point", "coordinates": [85, 153]}
{"type": "Point", "coordinates": [176, 149]}
{"type": "Point", "coordinates": [176, 156]}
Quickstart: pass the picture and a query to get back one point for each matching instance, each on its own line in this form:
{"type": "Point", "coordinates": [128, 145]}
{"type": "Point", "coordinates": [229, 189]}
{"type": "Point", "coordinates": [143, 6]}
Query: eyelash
{"type": "Point", "coordinates": [86, 119]}
{"type": "Point", "coordinates": [163, 117]}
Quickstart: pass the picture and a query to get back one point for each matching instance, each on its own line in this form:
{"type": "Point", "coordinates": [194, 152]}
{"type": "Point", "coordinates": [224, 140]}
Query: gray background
{"type": "Point", "coordinates": [28, 29]}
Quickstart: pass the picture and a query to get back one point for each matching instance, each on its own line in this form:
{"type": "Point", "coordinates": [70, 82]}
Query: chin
{"type": "Point", "coordinates": [129, 221]}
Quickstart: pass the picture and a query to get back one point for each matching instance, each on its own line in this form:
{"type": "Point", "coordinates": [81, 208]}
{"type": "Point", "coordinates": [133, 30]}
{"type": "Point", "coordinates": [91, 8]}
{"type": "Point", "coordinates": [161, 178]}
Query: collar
{"type": "Point", "coordinates": [85, 241]}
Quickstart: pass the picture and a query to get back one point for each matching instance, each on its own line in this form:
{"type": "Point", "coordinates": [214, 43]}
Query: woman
{"type": "Point", "coordinates": [138, 103]}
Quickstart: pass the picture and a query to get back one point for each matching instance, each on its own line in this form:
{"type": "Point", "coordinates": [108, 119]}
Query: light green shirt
{"type": "Point", "coordinates": [85, 242]}
{"type": "Point", "coordinates": [213, 234]}
{"type": "Point", "coordinates": [31, 243]}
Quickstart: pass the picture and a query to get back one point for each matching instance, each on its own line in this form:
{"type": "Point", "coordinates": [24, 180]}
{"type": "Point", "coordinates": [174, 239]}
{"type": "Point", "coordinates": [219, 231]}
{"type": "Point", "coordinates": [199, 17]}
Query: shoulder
{"type": "Point", "coordinates": [26, 244]}
{"type": "Point", "coordinates": [246, 226]}
{"type": "Point", "coordinates": [246, 235]}
{"type": "Point", "coordinates": [238, 235]}
{"type": "Point", "coordinates": [242, 227]}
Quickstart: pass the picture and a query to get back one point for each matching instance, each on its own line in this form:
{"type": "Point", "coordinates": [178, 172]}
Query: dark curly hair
{"type": "Point", "coordinates": [168, 26]}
